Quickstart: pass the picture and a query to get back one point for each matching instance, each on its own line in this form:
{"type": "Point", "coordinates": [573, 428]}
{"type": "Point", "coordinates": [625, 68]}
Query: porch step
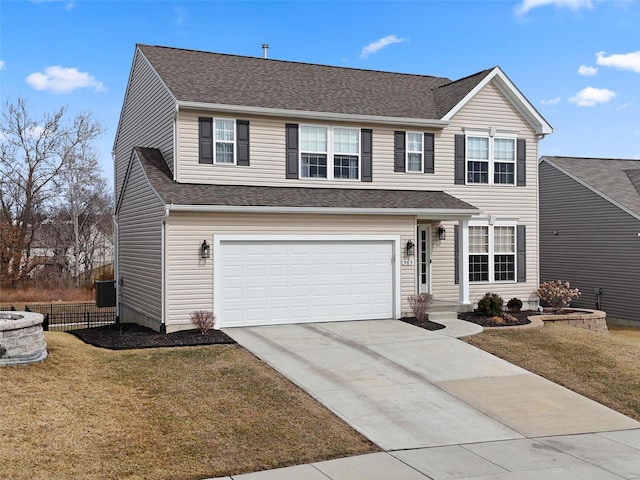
{"type": "Point", "coordinates": [440, 316]}
{"type": "Point", "coordinates": [445, 306]}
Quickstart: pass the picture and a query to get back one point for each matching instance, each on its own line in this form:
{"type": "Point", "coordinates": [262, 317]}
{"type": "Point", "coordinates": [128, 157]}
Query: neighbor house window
{"type": "Point", "coordinates": [321, 145]}
{"type": "Point", "coordinates": [492, 253]}
{"type": "Point", "coordinates": [414, 152]}
{"type": "Point", "coordinates": [491, 160]}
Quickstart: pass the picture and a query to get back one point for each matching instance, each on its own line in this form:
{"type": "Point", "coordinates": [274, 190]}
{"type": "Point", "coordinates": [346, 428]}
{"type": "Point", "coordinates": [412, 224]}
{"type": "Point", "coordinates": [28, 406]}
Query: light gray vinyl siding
{"type": "Point", "coordinates": [146, 119]}
{"type": "Point", "coordinates": [596, 245]}
{"type": "Point", "coordinates": [139, 217]}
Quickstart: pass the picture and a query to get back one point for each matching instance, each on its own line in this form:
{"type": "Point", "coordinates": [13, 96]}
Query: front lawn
{"type": "Point", "coordinates": [172, 413]}
{"type": "Point", "coordinates": [605, 368]}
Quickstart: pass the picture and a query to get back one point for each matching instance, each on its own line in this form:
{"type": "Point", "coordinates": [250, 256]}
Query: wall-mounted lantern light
{"type": "Point", "coordinates": [442, 233]}
{"type": "Point", "coordinates": [410, 248]}
{"type": "Point", "coordinates": [205, 249]}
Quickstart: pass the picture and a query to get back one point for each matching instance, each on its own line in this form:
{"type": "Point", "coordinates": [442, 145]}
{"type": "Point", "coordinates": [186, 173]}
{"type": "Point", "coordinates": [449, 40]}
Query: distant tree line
{"type": "Point", "coordinates": [55, 205]}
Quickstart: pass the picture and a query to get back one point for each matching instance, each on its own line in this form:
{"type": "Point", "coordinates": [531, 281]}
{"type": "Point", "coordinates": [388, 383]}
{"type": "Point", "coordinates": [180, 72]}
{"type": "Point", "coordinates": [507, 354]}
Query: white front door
{"type": "Point", "coordinates": [424, 258]}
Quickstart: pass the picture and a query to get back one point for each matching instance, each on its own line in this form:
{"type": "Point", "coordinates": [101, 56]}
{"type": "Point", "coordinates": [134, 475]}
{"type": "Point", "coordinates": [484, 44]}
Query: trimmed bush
{"type": "Point", "coordinates": [491, 305]}
{"type": "Point", "coordinates": [203, 320]}
{"type": "Point", "coordinates": [419, 305]}
{"type": "Point", "coordinates": [514, 305]}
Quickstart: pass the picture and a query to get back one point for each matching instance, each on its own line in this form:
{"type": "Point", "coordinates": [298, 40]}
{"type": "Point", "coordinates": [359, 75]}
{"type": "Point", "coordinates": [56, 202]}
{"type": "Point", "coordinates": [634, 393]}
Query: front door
{"type": "Point", "coordinates": [424, 258]}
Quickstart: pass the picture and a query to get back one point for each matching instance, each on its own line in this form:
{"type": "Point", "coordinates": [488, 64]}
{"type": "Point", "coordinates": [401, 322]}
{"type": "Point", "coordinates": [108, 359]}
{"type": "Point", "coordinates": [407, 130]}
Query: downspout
{"type": "Point", "coordinates": [163, 313]}
{"type": "Point", "coordinates": [175, 144]}
{"type": "Point", "coordinates": [116, 249]}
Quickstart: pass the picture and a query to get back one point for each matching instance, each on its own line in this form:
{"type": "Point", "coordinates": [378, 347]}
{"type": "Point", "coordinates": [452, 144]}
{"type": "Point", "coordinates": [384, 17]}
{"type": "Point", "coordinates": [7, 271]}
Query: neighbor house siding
{"type": "Point", "coordinates": [589, 242]}
{"type": "Point", "coordinates": [489, 108]}
{"type": "Point", "coordinates": [139, 218]}
{"type": "Point", "coordinates": [146, 119]}
{"type": "Point", "coordinates": [190, 278]}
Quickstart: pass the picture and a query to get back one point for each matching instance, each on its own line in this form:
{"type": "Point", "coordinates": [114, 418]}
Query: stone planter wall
{"type": "Point", "coordinates": [595, 320]}
{"type": "Point", "coordinates": [21, 338]}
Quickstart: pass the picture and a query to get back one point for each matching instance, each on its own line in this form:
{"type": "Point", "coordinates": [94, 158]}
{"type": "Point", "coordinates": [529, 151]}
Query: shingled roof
{"type": "Point", "coordinates": [214, 78]}
{"type": "Point", "coordinates": [175, 193]}
{"type": "Point", "coordinates": [616, 179]}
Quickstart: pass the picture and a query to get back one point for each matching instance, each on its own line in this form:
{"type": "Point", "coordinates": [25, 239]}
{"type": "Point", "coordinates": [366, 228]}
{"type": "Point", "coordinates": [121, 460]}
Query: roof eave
{"type": "Point", "coordinates": [507, 87]}
{"type": "Point", "coordinates": [424, 213]}
{"type": "Point", "coordinates": [311, 115]}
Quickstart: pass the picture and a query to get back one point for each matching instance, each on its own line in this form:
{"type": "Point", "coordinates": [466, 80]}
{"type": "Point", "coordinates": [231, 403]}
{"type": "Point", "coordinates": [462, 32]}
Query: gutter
{"type": "Point", "coordinates": [423, 213]}
{"type": "Point", "coordinates": [304, 114]}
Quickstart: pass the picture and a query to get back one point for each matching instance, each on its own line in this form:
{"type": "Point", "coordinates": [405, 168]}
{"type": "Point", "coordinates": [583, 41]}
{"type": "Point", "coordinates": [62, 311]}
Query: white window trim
{"type": "Point", "coordinates": [492, 134]}
{"type": "Point", "coordinates": [330, 154]}
{"type": "Point", "coordinates": [491, 223]}
{"type": "Point", "coordinates": [234, 142]}
{"type": "Point", "coordinates": [407, 152]}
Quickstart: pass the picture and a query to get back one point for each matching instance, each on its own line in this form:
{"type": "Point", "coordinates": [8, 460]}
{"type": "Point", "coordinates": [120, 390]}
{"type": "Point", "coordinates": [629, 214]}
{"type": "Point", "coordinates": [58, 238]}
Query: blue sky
{"type": "Point", "coordinates": [577, 61]}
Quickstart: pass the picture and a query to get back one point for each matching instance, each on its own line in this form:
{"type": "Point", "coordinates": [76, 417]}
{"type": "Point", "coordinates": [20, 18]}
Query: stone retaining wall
{"type": "Point", "coordinates": [594, 320]}
{"type": "Point", "coordinates": [21, 338]}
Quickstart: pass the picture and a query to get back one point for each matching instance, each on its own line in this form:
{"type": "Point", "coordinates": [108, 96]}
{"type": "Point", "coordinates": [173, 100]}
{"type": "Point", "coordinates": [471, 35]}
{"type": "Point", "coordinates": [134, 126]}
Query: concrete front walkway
{"type": "Point", "coordinates": [440, 408]}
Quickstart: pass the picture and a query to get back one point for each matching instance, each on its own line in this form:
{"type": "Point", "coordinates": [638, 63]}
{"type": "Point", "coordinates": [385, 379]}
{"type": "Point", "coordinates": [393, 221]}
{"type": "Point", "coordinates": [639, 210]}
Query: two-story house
{"type": "Point", "coordinates": [275, 192]}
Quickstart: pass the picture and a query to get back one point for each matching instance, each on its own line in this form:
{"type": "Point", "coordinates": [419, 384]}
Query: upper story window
{"type": "Point", "coordinates": [490, 157]}
{"type": "Point", "coordinates": [414, 152]}
{"type": "Point", "coordinates": [223, 141]}
{"type": "Point", "coordinates": [329, 152]}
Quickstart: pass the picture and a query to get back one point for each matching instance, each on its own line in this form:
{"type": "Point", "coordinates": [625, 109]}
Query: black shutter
{"type": "Point", "coordinates": [205, 140]}
{"type": "Point", "coordinates": [366, 160]}
{"type": "Point", "coordinates": [291, 140]}
{"type": "Point", "coordinates": [459, 160]}
{"type": "Point", "coordinates": [399, 150]}
{"type": "Point", "coordinates": [456, 253]}
{"type": "Point", "coordinates": [429, 148]}
{"type": "Point", "coordinates": [242, 133]}
{"type": "Point", "coordinates": [521, 162]}
{"type": "Point", "coordinates": [521, 251]}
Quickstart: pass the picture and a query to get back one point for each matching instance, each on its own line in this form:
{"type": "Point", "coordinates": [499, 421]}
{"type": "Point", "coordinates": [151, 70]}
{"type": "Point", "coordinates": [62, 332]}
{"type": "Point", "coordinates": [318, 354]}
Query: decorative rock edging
{"type": "Point", "coordinates": [594, 320]}
{"type": "Point", "coordinates": [21, 338]}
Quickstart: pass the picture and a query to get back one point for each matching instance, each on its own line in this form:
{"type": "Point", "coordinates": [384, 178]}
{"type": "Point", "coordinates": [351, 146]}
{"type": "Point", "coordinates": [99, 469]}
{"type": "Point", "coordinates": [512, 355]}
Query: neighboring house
{"type": "Point", "coordinates": [323, 193]}
{"type": "Point", "coordinates": [590, 231]}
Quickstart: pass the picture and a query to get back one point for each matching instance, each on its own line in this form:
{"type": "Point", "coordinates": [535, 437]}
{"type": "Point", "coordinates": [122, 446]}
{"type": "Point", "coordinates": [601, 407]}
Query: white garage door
{"type": "Point", "coordinates": [275, 282]}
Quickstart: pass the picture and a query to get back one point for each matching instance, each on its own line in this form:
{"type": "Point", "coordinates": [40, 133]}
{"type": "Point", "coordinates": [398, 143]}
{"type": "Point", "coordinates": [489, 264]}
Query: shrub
{"type": "Point", "coordinates": [557, 294]}
{"type": "Point", "coordinates": [514, 305]}
{"type": "Point", "coordinates": [419, 305]}
{"type": "Point", "coordinates": [203, 320]}
{"type": "Point", "coordinates": [491, 305]}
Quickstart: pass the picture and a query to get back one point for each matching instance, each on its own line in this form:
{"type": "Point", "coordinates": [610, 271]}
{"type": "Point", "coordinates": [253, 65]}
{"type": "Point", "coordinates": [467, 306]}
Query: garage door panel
{"type": "Point", "coordinates": [303, 281]}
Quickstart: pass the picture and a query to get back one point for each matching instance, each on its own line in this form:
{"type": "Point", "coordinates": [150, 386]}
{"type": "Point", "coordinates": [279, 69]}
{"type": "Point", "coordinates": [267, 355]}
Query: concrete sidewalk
{"type": "Point", "coordinates": [441, 408]}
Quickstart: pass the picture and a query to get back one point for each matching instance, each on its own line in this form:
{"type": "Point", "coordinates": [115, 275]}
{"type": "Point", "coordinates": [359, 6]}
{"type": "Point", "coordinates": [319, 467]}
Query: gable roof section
{"type": "Point", "coordinates": [617, 181]}
{"type": "Point", "coordinates": [257, 85]}
{"type": "Point", "coordinates": [189, 196]}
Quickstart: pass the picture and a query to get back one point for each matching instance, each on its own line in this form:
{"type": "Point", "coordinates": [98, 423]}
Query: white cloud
{"type": "Point", "coordinates": [181, 16]}
{"type": "Point", "coordinates": [587, 71]}
{"type": "Point", "coordinates": [2, 65]}
{"type": "Point", "coordinates": [621, 61]}
{"type": "Point", "coordinates": [63, 80]}
{"type": "Point", "coordinates": [551, 101]}
{"type": "Point", "coordinates": [70, 5]}
{"type": "Point", "coordinates": [528, 5]}
{"type": "Point", "coordinates": [373, 47]}
{"type": "Point", "coordinates": [588, 97]}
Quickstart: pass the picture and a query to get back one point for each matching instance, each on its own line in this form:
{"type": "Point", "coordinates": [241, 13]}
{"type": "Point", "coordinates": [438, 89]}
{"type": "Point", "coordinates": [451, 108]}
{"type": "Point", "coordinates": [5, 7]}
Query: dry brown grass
{"type": "Point", "coordinates": [178, 413]}
{"type": "Point", "coordinates": [19, 297]}
{"type": "Point", "coordinates": [601, 367]}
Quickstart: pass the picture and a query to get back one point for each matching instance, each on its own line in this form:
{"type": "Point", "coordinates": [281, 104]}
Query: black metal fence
{"type": "Point", "coordinates": [61, 317]}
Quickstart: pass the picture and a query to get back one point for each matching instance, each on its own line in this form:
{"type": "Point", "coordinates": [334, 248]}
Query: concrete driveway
{"type": "Point", "coordinates": [440, 408]}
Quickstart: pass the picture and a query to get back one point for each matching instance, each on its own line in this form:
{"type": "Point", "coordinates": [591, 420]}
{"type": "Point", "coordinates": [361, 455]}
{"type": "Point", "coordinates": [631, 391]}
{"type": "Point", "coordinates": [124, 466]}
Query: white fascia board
{"type": "Point", "coordinates": [304, 114]}
{"type": "Point", "coordinates": [593, 189]}
{"type": "Point", "coordinates": [423, 213]}
{"type": "Point", "coordinates": [518, 100]}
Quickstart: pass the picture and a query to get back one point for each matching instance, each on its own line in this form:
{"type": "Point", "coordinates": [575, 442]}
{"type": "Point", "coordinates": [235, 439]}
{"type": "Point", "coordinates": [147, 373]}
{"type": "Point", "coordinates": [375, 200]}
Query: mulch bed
{"type": "Point", "coordinates": [485, 321]}
{"type": "Point", "coordinates": [125, 336]}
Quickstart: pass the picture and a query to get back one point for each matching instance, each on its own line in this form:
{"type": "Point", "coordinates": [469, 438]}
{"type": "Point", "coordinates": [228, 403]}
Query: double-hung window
{"type": "Point", "coordinates": [492, 253]}
{"type": "Point", "coordinates": [225, 140]}
{"type": "Point", "coordinates": [414, 152]}
{"type": "Point", "coordinates": [491, 160]}
{"type": "Point", "coordinates": [329, 152]}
